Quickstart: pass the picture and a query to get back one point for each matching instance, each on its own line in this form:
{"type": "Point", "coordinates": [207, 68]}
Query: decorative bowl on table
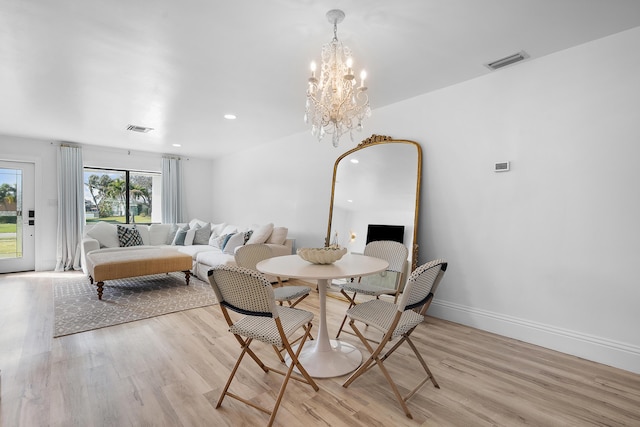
{"type": "Point", "coordinates": [326, 255]}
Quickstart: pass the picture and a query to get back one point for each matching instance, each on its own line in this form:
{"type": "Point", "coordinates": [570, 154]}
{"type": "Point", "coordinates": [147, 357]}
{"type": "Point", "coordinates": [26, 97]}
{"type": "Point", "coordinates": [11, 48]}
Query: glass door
{"type": "Point", "coordinates": [17, 217]}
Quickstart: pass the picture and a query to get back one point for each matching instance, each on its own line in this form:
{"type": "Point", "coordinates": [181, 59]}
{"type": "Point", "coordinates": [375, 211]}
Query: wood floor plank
{"type": "Point", "coordinates": [169, 371]}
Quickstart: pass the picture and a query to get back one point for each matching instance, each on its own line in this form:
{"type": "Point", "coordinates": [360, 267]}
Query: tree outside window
{"type": "Point", "coordinates": [120, 195]}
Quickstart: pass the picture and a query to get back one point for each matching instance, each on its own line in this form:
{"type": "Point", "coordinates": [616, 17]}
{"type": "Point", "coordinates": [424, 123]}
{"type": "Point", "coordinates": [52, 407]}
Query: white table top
{"type": "Point", "coordinates": [348, 266]}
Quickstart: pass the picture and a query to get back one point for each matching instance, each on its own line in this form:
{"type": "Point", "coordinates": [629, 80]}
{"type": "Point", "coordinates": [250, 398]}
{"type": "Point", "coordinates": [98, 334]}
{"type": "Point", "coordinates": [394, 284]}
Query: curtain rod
{"type": "Point", "coordinates": [113, 149]}
{"type": "Point", "coordinates": [66, 144]}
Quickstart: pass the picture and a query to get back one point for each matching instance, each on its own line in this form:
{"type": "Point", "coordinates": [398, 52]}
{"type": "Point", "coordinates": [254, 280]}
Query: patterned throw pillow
{"type": "Point", "coordinates": [129, 236]}
{"type": "Point", "coordinates": [218, 242]}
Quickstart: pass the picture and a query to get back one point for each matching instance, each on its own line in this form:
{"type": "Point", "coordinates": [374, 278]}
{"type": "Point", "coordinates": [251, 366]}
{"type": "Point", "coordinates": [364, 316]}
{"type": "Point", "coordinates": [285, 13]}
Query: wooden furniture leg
{"type": "Point", "coordinates": [187, 275]}
{"type": "Point", "coordinates": [100, 285]}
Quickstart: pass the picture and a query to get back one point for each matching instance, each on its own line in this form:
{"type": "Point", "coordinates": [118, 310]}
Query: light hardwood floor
{"type": "Point", "coordinates": [168, 371]}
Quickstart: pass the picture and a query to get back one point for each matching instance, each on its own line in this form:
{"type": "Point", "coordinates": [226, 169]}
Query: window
{"type": "Point", "coordinates": [10, 213]}
{"type": "Point", "coordinates": [122, 196]}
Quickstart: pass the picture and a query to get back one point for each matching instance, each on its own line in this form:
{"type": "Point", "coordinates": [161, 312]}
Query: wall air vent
{"type": "Point", "coordinates": [507, 60]}
{"type": "Point", "coordinates": [140, 129]}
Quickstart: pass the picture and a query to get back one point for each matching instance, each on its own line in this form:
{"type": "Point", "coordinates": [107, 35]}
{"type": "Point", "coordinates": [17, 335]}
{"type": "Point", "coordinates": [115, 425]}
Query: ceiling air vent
{"type": "Point", "coordinates": [507, 60]}
{"type": "Point", "coordinates": [140, 129]}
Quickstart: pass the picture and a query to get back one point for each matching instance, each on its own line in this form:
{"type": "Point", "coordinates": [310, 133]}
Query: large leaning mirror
{"type": "Point", "coordinates": [375, 195]}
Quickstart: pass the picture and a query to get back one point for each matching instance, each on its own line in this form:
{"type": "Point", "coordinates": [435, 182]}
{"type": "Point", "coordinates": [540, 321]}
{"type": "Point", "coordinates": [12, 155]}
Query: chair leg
{"type": "Point", "coordinates": [372, 358]}
{"type": "Point", "coordinates": [294, 357]}
{"type": "Point", "coordinates": [399, 397]}
{"type": "Point", "coordinates": [305, 377]}
{"type": "Point", "coordinates": [293, 304]}
{"type": "Point", "coordinates": [375, 359]}
{"type": "Point", "coordinates": [245, 347]}
{"type": "Point", "coordinates": [279, 351]}
{"type": "Point", "coordinates": [423, 363]}
{"type": "Point", "coordinates": [352, 302]}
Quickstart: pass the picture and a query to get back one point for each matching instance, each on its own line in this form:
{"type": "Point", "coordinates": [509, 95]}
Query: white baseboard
{"type": "Point", "coordinates": [602, 350]}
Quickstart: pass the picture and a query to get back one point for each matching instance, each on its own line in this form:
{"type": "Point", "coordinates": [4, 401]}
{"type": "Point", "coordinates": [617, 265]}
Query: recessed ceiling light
{"type": "Point", "coordinates": [355, 161]}
{"type": "Point", "coordinates": [176, 145]}
{"type": "Point", "coordinates": [230, 116]}
{"type": "Point", "coordinates": [350, 201]}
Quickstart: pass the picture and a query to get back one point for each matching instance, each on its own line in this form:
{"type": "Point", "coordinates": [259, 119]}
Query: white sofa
{"type": "Point", "coordinates": [208, 244]}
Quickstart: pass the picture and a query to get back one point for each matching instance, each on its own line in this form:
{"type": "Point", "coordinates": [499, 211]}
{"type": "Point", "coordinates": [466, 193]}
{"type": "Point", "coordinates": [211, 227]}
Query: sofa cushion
{"type": "Point", "coordinates": [144, 233]}
{"type": "Point", "coordinates": [212, 258]}
{"type": "Point", "coordinates": [194, 250]}
{"type": "Point", "coordinates": [261, 234]}
{"type": "Point", "coordinates": [128, 236]}
{"type": "Point", "coordinates": [202, 235]}
{"type": "Point", "coordinates": [278, 235]}
{"type": "Point", "coordinates": [159, 234]}
{"type": "Point", "coordinates": [106, 234]}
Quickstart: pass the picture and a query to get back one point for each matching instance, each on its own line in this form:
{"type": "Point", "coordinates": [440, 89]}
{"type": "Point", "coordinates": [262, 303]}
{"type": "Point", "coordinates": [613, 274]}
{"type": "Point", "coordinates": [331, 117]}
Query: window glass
{"type": "Point", "coordinates": [121, 196]}
{"type": "Point", "coordinates": [10, 213]}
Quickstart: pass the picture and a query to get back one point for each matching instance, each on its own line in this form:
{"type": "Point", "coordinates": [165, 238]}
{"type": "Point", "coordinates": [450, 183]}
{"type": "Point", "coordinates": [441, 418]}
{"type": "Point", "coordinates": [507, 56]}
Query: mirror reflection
{"type": "Point", "coordinates": [375, 195]}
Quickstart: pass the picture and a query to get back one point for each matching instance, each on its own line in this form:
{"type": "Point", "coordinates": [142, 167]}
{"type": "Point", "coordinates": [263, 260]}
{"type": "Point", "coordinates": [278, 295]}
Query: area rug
{"type": "Point", "coordinates": [78, 309]}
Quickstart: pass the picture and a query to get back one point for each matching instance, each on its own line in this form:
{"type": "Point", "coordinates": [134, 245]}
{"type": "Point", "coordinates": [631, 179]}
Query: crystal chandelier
{"type": "Point", "coordinates": [336, 103]}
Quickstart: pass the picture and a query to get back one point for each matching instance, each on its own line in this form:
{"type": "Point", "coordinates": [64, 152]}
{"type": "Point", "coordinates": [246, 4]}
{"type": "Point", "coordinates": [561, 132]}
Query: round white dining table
{"type": "Point", "coordinates": [322, 357]}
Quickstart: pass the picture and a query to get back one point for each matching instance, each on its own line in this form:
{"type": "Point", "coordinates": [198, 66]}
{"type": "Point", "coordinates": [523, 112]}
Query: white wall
{"type": "Point", "coordinates": [287, 182]}
{"type": "Point", "coordinates": [544, 253]}
{"type": "Point", "coordinates": [196, 175]}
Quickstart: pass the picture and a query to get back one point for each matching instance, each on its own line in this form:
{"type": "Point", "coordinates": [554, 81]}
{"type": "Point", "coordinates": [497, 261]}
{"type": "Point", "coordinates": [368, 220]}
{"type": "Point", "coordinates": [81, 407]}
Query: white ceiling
{"type": "Point", "coordinates": [82, 70]}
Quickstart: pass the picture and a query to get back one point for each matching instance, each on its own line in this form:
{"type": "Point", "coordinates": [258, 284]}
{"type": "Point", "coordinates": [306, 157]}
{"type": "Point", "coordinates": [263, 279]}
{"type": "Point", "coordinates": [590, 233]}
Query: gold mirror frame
{"type": "Point", "coordinates": [373, 141]}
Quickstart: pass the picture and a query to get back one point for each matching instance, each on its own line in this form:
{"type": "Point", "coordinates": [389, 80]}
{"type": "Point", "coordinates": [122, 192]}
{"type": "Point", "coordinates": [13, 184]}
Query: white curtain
{"type": "Point", "coordinates": [171, 190]}
{"type": "Point", "coordinates": [70, 208]}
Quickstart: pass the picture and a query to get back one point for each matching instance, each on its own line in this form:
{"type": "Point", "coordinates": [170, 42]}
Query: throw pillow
{"type": "Point", "coordinates": [128, 236]}
{"type": "Point", "coordinates": [195, 221]}
{"type": "Point", "coordinates": [234, 241]}
{"type": "Point", "coordinates": [106, 234]}
{"type": "Point", "coordinates": [181, 234]}
{"type": "Point", "coordinates": [217, 241]}
{"type": "Point", "coordinates": [172, 233]}
{"type": "Point", "coordinates": [229, 229]}
{"type": "Point", "coordinates": [216, 229]}
{"type": "Point", "coordinates": [278, 236]}
{"type": "Point", "coordinates": [202, 235]}
{"type": "Point", "coordinates": [191, 234]}
{"type": "Point", "coordinates": [261, 234]}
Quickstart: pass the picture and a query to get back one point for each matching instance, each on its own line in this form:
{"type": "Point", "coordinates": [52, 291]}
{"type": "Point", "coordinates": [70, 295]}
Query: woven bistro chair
{"type": "Point", "coordinates": [396, 255]}
{"type": "Point", "coordinates": [249, 256]}
{"type": "Point", "coordinates": [398, 321]}
{"type": "Point", "coordinates": [250, 294]}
